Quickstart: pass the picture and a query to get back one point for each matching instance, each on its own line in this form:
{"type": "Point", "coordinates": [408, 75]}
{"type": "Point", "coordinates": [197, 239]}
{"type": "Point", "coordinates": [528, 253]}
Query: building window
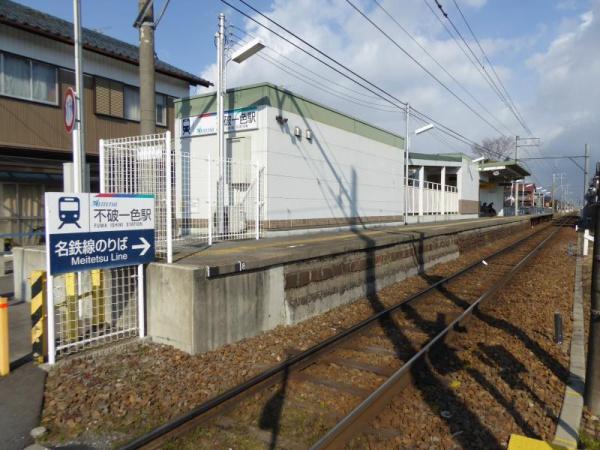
{"type": "Point", "coordinates": [118, 100]}
{"type": "Point", "coordinates": [27, 79]}
{"type": "Point", "coordinates": [161, 110]}
{"type": "Point", "coordinates": [131, 100]}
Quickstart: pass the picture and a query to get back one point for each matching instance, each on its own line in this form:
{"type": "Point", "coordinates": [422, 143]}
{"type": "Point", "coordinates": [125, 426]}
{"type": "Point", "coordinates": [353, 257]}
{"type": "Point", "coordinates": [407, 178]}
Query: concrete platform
{"type": "Point", "coordinates": [233, 290]}
{"type": "Point", "coordinates": [225, 257]}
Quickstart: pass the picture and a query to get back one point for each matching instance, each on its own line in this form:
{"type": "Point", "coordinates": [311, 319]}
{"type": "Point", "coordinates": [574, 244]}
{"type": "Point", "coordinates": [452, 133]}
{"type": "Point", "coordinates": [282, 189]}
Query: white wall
{"type": "Point", "coordinates": [34, 46]}
{"type": "Point", "coordinates": [191, 155]}
{"type": "Point", "coordinates": [337, 174]}
{"type": "Point", "coordinates": [468, 181]}
{"type": "Point", "coordinates": [495, 195]}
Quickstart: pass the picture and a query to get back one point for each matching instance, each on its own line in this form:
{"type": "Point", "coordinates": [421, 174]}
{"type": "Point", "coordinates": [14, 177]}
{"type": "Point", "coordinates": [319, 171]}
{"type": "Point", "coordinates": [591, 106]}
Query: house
{"type": "Point", "coordinates": [36, 68]}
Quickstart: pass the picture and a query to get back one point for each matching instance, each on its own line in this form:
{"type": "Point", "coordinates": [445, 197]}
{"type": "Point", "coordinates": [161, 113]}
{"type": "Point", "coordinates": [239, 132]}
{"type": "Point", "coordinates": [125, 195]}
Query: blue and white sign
{"type": "Point", "coordinates": [93, 231]}
{"type": "Point", "coordinates": [234, 120]}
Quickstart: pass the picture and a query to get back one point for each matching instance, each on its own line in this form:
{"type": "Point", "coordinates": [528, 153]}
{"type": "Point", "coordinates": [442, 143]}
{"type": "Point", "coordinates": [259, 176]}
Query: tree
{"type": "Point", "coordinates": [500, 148]}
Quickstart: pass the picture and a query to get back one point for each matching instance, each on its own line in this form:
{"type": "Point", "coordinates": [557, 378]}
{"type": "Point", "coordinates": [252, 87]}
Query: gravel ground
{"type": "Point", "coordinates": [104, 400]}
{"type": "Point", "coordinates": [504, 375]}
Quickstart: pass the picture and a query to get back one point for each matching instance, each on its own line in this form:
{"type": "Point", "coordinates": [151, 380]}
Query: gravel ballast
{"type": "Point", "coordinates": [106, 399]}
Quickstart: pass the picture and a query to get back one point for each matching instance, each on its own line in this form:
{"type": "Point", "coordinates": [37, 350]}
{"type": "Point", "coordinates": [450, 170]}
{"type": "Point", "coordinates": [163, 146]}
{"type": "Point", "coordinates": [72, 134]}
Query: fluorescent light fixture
{"type": "Point", "coordinates": [481, 158]}
{"type": "Point", "coordinates": [246, 51]}
{"type": "Point", "coordinates": [424, 129]}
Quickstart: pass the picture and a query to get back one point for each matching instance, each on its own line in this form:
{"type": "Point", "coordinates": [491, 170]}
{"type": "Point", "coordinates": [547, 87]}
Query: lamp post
{"type": "Point", "coordinates": [238, 56]}
{"type": "Point", "coordinates": [423, 129]}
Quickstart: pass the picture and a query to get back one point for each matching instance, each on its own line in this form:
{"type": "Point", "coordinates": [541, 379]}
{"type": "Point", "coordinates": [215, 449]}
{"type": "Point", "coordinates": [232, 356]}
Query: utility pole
{"type": "Point", "coordinates": [553, 187]}
{"type": "Point", "coordinates": [592, 376]}
{"type": "Point", "coordinates": [406, 150]}
{"type": "Point", "coordinates": [585, 171]}
{"type": "Point", "coordinates": [78, 129]}
{"type": "Point", "coordinates": [221, 123]}
{"type": "Point", "coordinates": [147, 89]}
{"type": "Point", "coordinates": [516, 181]}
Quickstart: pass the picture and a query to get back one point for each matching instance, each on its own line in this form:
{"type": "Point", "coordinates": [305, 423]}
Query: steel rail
{"type": "Point", "coordinates": [359, 417]}
{"type": "Point", "coordinates": [159, 435]}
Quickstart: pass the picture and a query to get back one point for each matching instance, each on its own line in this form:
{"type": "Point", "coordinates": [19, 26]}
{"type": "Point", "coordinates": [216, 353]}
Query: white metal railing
{"type": "Point", "coordinates": [429, 198]}
{"type": "Point", "coordinates": [189, 209]}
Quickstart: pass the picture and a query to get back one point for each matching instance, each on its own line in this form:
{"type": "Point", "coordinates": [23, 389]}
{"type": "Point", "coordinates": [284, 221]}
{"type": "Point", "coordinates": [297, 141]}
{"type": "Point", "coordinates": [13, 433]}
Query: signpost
{"type": "Point", "coordinates": [98, 231]}
{"type": "Point", "coordinates": [70, 110]}
{"type": "Point", "coordinates": [87, 231]}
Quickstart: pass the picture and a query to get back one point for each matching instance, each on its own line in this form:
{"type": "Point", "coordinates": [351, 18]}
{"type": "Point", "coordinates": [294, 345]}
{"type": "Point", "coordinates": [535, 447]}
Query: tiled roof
{"type": "Point", "coordinates": [20, 16]}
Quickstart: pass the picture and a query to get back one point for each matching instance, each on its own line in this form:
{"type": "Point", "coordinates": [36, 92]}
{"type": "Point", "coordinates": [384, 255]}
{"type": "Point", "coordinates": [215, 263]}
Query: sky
{"type": "Point", "coordinates": [542, 50]}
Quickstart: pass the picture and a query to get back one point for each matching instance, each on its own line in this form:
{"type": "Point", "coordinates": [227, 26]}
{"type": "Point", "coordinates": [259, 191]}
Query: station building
{"type": "Point", "coordinates": [322, 167]}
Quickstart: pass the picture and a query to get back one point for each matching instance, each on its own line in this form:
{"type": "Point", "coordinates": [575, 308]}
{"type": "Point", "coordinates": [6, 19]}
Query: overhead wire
{"type": "Point", "coordinates": [458, 83]}
{"type": "Point", "coordinates": [373, 88]}
{"type": "Point", "coordinates": [483, 52]}
{"type": "Point", "coordinates": [425, 69]}
{"type": "Point", "coordinates": [485, 73]}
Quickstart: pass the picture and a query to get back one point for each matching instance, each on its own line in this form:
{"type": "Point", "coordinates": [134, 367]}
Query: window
{"type": "Point", "coordinates": [131, 97]}
{"type": "Point", "coordinates": [161, 110]}
{"type": "Point", "coordinates": [118, 100]}
{"type": "Point", "coordinates": [27, 79]}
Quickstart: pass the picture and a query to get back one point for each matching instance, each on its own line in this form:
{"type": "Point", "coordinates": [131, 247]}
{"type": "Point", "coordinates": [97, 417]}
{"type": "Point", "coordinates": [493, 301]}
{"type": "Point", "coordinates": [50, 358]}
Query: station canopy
{"type": "Point", "coordinates": [502, 171]}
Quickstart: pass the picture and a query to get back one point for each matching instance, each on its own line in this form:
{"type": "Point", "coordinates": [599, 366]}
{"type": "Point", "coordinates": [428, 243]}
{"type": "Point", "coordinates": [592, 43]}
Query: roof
{"type": "Point", "coordinates": [277, 97]}
{"type": "Point", "coordinates": [508, 170]}
{"type": "Point", "coordinates": [34, 21]}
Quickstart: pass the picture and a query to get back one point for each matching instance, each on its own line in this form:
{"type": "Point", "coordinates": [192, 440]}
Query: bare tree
{"type": "Point", "coordinates": [495, 148]}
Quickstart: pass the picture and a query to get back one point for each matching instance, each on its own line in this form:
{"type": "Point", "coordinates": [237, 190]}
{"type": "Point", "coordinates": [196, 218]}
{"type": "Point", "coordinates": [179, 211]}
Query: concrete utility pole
{"type": "Point", "coordinates": [592, 376]}
{"type": "Point", "coordinates": [147, 89]}
{"type": "Point", "coordinates": [221, 123]}
{"type": "Point", "coordinates": [516, 184]}
{"type": "Point", "coordinates": [586, 168]}
{"type": "Point", "coordinates": [406, 150]}
{"type": "Point", "coordinates": [553, 184]}
{"type": "Point", "coordinates": [78, 130]}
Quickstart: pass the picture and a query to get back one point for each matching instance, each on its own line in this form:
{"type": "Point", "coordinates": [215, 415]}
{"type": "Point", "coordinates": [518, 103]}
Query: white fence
{"type": "Point", "coordinates": [191, 208]}
{"type": "Point", "coordinates": [430, 198]}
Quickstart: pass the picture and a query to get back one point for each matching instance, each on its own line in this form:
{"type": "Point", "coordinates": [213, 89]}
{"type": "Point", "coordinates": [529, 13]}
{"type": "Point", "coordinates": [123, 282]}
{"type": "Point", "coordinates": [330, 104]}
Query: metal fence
{"type": "Point", "coordinates": [189, 209]}
{"type": "Point", "coordinates": [204, 211]}
{"type": "Point", "coordinates": [429, 198]}
{"type": "Point", "coordinates": [93, 308]}
{"type": "Point", "coordinates": [142, 165]}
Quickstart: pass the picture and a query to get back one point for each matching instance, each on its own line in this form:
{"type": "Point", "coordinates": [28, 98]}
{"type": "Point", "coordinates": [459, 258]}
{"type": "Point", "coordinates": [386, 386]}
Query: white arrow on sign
{"type": "Point", "coordinates": [145, 245]}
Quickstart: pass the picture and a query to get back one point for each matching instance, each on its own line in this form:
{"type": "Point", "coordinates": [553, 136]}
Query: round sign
{"type": "Point", "coordinates": [496, 173]}
{"type": "Point", "coordinates": [69, 110]}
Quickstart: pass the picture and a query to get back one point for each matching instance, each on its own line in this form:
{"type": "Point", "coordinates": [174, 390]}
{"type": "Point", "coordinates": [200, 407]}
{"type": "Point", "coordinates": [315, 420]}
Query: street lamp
{"type": "Point", "coordinates": [238, 56]}
{"type": "Point", "coordinates": [406, 157]}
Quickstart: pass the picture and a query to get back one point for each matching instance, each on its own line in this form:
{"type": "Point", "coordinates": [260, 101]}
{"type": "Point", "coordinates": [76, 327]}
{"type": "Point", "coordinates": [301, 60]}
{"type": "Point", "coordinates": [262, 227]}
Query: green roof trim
{"type": "Point", "coordinates": [277, 97]}
{"type": "Point", "coordinates": [436, 156]}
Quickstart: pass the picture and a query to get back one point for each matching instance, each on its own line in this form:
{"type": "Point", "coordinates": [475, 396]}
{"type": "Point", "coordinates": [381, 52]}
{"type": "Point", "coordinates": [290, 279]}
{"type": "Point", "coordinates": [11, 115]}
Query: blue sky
{"type": "Point", "coordinates": [540, 48]}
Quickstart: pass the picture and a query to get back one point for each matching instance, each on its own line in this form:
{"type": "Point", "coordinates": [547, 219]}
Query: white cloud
{"type": "Point", "coordinates": [562, 88]}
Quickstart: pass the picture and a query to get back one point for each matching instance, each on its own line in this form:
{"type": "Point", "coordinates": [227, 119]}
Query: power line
{"type": "Point", "coordinates": [485, 73]}
{"type": "Point", "coordinates": [387, 13]}
{"type": "Point", "coordinates": [304, 68]}
{"type": "Point", "coordinates": [400, 104]}
{"type": "Point", "coordinates": [440, 82]}
{"type": "Point", "coordinates": [314, 83]}
{"type": "Point", "coordinates": [491, 65]}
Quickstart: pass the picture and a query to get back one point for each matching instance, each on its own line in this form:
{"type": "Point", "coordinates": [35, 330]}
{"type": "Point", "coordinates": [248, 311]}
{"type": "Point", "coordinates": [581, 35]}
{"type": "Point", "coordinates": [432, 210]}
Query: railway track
{"type": "Point", "coordinates": [325, 396]}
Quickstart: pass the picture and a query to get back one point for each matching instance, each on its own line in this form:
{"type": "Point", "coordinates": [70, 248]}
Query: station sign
{"type": "Point", "coordinates": [98, 231]}
{"type": "Point", "coordinates": [234, 120]}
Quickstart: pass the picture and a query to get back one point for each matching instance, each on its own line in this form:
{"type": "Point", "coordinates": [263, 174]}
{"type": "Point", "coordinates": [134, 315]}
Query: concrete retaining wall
{"type": "Point", "coordinates": [197, 313]}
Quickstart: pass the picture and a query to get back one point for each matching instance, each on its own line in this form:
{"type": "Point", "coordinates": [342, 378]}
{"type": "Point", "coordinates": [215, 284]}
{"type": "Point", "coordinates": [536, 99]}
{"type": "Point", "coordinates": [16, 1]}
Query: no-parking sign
{"type": "Point", "coordinates": [70, 111]}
